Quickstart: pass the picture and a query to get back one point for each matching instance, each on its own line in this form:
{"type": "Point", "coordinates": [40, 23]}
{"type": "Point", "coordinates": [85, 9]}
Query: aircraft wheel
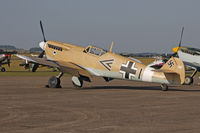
{"type": "Point", "coordinates": [188, 80]}
{"type": "Point", "coordinates": [164, 87]}
{"type": "Point", "coordinates": [54, 82]}
{"type": "Point", "coordinates": [3, 69]}
{"type": "Point", "coordinates": [77, 82]}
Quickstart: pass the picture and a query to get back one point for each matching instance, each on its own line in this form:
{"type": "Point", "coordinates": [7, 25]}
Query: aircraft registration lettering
{"type": "Point", "coordinates": [128, 70]}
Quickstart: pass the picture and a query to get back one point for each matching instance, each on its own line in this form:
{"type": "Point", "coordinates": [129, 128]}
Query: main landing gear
{"type": "Point", "coordinates": [164, 87]}
{"type": "Point", "coordinates": [54, 81]}
{"type": "Point", "coordinates": [189, 79]}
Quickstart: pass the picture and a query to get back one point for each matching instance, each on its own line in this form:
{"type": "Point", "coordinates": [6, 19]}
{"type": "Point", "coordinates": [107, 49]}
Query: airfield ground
{"type": "Point", "coordinates": [99, 107]}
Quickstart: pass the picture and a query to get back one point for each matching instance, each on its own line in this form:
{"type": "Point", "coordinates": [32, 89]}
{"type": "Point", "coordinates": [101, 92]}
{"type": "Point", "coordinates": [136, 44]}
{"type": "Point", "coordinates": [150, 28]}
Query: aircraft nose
{"type": "Point", "coordinates": [175, 50]}
{"type": "Point", "coordinates": [42, 45]}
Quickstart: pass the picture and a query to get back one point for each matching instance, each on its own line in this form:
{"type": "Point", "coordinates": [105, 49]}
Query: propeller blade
{"type": "Point", "coordinates": [35, 67]}
{"type": "Point", "coordinates": [181, 37]}
{"type": "Point", "coordinates": [41, 26]}
{"type": "Point", "coordinates": [173, 55]}
{"type": "Point", "coordinates": [41, 54]}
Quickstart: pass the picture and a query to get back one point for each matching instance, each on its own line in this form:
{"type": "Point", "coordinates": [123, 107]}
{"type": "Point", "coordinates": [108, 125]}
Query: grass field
{"type": "Point", "coordinates": [24, 73]}
{"type": "Point", "coordinates": [14, 66]}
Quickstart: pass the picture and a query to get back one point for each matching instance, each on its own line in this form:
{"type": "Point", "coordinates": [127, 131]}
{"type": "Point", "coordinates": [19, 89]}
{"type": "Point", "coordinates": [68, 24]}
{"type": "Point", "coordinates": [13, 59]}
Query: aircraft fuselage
{"type": "Point", "coordinates": [190, 59]}
{"type": "Point", "coordinates": [104, 64]}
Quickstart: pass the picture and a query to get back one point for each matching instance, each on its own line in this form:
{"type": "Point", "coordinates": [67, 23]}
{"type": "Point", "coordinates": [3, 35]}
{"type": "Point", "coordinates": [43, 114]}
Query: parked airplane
{"type": "Point", "coordinates": [84, 63]}
{"type": "Point", "coordinates": [5, 59]}
{"type": "Point", "coordinates": [190, 57]}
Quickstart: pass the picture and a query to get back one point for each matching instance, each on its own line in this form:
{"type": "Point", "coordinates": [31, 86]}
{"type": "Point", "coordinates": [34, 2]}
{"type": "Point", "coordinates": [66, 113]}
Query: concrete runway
{"type": "Point", "coordinates": [26, 106]}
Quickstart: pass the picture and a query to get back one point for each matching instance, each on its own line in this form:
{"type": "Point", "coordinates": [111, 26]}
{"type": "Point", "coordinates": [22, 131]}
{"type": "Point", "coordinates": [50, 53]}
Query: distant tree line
{"type": "Point", "coordinates": [7, 47]}
{"type": "Point", "coordinates": [13, 48]}
{"type": "Point", "coordinates": [35, 50]}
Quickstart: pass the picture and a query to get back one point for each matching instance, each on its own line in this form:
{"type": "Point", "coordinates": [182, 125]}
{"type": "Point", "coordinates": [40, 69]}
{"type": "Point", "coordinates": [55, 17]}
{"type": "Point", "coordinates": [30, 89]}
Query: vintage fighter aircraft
{"type": "Point", "coordinates": [190, 57]}
{"type": "Point", "coordinates": [5, 58]}
{"type": "Point", "coordinates": [84, 63]}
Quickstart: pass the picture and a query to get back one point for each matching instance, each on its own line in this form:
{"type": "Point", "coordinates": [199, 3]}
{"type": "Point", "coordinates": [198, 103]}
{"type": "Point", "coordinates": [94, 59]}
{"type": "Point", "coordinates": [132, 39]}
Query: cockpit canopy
{"type": "Point", "coordinates": [94, 50]}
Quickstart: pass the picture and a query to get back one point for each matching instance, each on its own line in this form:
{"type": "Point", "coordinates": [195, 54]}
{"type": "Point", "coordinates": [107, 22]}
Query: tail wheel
{"type": "Point", "coordinates": [164, 87]}
{"type": "Point", "coordinates": [188, 80]}
{"type": "Point", "coordinates": [54, 82]}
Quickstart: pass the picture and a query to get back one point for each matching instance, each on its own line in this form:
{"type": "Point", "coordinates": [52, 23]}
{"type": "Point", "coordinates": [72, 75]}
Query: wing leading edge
{"type": "Point", "coordinates": [66, 67]}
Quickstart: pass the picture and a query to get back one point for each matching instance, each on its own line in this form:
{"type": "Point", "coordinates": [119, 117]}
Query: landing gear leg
{"type": "Point", "coordinates": [189, 79]}
{"type": "Point", "coordinates": [54, 81]}
{"type": "Point", "coordinates": [164, 87]}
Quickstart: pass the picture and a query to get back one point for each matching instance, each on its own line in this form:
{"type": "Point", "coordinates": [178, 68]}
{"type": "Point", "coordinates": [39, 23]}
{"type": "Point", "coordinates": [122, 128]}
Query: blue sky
{"type": "Point", "coordinates": [134, 25]}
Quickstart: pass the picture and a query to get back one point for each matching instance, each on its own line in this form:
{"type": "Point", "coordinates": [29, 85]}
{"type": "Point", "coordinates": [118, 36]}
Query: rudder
{"type": "Point", "coordinates": [174, 69]}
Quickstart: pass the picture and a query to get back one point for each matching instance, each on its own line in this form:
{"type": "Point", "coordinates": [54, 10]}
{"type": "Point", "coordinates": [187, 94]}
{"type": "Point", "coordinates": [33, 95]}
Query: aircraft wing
{"type": "Point", "coordinates": [41, 61]}
{"type": "Point", "coordinates": [66, 67]}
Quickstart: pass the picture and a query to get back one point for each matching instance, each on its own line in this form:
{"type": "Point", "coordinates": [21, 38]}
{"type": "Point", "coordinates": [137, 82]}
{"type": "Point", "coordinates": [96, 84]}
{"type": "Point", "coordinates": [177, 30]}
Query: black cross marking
{"type": "Point", "coordinates": [128, 70]}
{"type": "Point", "coordinates": [107, 63]}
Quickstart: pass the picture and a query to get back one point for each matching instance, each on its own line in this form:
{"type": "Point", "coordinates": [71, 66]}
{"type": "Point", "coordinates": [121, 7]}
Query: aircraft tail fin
{"type": "Point", "coordinates": [174, 70]}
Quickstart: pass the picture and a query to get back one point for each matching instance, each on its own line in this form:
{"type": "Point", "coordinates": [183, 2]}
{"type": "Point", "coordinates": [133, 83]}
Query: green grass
{"type": "Point", "coordinates": [23, 73]}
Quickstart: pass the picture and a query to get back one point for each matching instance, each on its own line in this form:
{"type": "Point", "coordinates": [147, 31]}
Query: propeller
{"type": "Point", "coordinates": [181, 37]}
{"type": "Point", "coordinates": [175, 49]}
{"type": "Point", "coordinates": [35, 67]}
{"type": "Point", "coordinates": [41, 26]}
{"type": "Point", "coordinates": [43, 52]}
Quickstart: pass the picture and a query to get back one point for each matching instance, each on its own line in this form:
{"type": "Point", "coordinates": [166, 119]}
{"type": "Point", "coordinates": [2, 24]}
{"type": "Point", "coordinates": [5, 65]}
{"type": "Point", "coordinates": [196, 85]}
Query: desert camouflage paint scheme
{"type": "Point", "coordinates": [92, 61]}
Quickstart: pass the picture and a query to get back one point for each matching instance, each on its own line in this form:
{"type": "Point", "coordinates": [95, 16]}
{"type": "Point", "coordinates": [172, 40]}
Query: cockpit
{"type": "Point", "coordinates": [94, 50]}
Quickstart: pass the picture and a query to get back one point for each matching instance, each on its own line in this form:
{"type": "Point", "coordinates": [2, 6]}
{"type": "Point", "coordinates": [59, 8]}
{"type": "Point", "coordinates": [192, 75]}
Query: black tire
{"type": "Point", "coordinates": [54, 82]}
{"type": "Point", "coordinates": [188, 80]}
{"type": "Point", "coordinates": [164, 87]}
{"type": "Point", "coordinates": [3, 69]}
{"type": "Point", "coordinates": [77, 86]}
